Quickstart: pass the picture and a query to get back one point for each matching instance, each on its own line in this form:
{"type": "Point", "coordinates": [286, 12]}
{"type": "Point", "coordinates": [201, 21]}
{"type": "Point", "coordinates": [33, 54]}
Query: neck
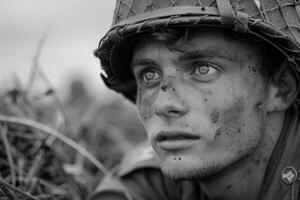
{"type": "Point", "coordinates": [243, 180]}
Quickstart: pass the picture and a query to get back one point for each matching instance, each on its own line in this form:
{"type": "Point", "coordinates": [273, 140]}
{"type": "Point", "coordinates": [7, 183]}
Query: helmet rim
{"type": "Point", "coordinates": [112, 44]}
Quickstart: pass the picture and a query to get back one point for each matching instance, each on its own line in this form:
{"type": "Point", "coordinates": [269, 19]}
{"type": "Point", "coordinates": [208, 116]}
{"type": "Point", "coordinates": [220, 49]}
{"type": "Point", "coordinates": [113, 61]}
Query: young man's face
{"type": "Point", "coordinates": [203, 106]}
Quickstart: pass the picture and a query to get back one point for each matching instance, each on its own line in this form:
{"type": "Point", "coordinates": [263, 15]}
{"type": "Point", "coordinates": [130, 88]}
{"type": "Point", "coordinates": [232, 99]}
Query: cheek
{"type": "Point", "coordinates": [240, 126]}
{"type": "Point", "coordinates": [230, 123]}
{"type": "Point", "coordinates": [145, 102]}
{"type": "Point", "coordinates": [253, 80]}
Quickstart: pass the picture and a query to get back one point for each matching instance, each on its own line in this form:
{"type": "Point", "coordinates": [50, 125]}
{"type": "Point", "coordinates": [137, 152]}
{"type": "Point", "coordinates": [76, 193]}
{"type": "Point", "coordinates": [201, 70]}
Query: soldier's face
{"type": "Point", "coordinates": [202, 107]}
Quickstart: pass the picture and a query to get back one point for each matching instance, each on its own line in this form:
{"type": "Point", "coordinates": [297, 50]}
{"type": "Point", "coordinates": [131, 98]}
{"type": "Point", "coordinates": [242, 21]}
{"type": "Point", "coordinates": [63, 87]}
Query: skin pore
{"type": "Point", "coordinates": [208, 111]}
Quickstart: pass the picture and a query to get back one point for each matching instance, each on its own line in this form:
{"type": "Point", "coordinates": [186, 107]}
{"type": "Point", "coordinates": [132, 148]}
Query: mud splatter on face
{"type": "Point", "coordinates": [229, 186]}
{"type": "Point", "coordinates": [175, 158]}
{"type": "Point", "coordinates": [218, 133]}
{"type": "Point", "coordinates": [214, 116]}
{"type": "Point", "coordinates": [222, 131]}
{"type": "Point", "coordinates": [144, 103]}
{"type": "Point", "coordinates": [164, 88]}
{"type": "Point", "coordinates": [232, 114]}
{"type": "Point", "coordinates": [252, 68]}
{"type": "Point", "coordinates": [231, 123]}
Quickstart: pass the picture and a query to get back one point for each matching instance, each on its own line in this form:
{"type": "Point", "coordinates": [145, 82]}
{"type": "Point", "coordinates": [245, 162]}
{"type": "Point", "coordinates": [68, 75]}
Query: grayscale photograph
{"type": "Point", "coordinates": [150, 100]}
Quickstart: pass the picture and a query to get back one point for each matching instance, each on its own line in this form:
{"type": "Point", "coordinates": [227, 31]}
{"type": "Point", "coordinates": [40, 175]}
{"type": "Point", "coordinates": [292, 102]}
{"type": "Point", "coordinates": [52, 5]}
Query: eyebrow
{"type": "Point", "coordinates": [209, 53]}
{"type": "Point", "coordinates": [142, 61]}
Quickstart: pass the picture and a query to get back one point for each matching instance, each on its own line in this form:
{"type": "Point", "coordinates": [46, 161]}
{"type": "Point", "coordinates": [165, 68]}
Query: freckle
{"type": "Point", "coordinates": [229, 186]}
{"type": "Point", "coordinates": [173, 89]}
{"type": "Point", "coordinates": [239, 130]}
{"type": "Point", "coordinates": [205, 99]}
{"type": "Point", "coordinates": [179, 158]}
{"type": "Point", "coordinates": [244, 125]}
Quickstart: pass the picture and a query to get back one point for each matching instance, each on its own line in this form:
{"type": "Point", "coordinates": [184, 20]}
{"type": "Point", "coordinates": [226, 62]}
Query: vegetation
{"type": "Point", "coordinates": [51, 149]}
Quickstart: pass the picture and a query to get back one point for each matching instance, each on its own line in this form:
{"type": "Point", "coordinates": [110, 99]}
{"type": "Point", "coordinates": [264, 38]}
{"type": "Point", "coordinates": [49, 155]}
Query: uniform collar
{"type": "Point", "coordinates": [284, 159]}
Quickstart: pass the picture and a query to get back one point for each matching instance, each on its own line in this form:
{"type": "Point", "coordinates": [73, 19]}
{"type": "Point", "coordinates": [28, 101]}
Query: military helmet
{"type": "Point", "coordinates": [275, 21]}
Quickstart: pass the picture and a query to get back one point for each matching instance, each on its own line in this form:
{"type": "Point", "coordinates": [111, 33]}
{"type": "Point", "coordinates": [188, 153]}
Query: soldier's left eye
{"type": "Point", "coordinates": [203, 69]}
{"type": "Point", "coordinates": [205, 72]}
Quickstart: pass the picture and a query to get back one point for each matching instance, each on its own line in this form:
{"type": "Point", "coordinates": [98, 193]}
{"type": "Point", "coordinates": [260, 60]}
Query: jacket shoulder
{"type": "Point", "coordinates": [133, 178]}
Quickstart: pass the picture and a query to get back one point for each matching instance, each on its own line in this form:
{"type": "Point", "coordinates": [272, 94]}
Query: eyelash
{"type": "Point", "coordinates": [141, 75]}
{"type": "Point", "coordinates": [201, 77]}
{"type": "Point", "coordinates": [197, 65]}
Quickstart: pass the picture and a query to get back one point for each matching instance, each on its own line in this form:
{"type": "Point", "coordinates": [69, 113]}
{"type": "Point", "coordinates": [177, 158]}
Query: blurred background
{"type": "Point", "coordinates": [72, 30]}
{"type": "Point", "coordinates": [48, 75]}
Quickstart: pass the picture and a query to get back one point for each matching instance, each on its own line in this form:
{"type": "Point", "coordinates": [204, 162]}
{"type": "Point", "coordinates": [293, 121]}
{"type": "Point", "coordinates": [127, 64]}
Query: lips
{"type": "Point", "coordinates": [164, 136]}
{"type": "Point", "coordinates": [171, 141]}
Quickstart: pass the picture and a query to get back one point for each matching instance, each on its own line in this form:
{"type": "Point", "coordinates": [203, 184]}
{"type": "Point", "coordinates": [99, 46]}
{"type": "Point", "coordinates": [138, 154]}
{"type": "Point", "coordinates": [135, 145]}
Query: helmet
{"type": "Point", "coordinates": [275, 21]}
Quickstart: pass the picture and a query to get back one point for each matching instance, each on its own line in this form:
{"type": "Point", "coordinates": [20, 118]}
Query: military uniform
{"type": "Point", "coordinates": [139, 176]}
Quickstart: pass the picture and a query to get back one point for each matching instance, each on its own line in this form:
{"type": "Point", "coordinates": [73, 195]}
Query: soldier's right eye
{"type": "Point", "coordinates": [149, 76]}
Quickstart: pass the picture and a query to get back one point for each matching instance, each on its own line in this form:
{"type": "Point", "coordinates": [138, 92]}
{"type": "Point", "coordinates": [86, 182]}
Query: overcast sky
{"type": "Point", "coordinates": [76, 28]}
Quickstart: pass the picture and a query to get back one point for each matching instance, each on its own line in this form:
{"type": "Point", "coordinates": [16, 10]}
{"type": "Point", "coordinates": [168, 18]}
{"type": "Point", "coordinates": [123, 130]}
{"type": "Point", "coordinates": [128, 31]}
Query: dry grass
{"type": "Point", "coordinates": [47, 154]}
{"type": "Point", "coordinates": [59, 150]}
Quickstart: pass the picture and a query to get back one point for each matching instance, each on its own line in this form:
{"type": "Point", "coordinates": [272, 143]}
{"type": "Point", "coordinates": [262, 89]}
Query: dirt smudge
{"type": "Point", "coordinates": [231, 123]}
{"type": "Point", "coordinates": [214, 116]}
{"type": "Point", "coordinates": [145, 103]}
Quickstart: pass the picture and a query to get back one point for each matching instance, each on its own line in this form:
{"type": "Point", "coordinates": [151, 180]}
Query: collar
{"type": "Point", "coordinates": [280, 180]}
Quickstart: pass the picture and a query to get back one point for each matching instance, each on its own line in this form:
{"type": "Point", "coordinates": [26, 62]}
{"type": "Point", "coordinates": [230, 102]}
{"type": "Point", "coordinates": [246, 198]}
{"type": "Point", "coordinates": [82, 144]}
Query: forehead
{"type": "Point", "coordinates": [208, 41]}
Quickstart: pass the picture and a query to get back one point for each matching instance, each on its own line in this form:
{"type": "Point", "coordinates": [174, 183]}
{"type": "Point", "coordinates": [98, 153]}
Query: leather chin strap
{"type": "Point", "coordinates": [232, 19]}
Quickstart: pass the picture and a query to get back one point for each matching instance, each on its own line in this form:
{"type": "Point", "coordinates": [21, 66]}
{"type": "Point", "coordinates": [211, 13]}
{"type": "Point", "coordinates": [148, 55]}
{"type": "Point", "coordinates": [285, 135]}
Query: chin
{"type": "Point", "coordinates": [188, 169]}
{"type": "Point", "coordinates": [191, 168]}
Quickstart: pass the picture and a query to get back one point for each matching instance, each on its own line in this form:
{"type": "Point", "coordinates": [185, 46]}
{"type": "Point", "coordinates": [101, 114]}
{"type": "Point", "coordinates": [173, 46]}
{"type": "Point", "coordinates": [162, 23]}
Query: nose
{"type": "Point", "coordinates": [170, 102]}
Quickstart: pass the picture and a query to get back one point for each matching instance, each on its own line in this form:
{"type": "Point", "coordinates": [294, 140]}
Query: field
{"type": "Point", "coordinates": [54, 149]}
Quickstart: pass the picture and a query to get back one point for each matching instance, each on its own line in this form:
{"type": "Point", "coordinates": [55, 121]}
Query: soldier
{"type": "Point", "coordinates": [216, 84]}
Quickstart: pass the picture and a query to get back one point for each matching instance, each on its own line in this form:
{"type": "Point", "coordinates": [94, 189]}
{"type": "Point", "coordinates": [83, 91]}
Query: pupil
{"type": "Point", "coordinates": [203, 70]}
{"type": "Point", "coordinates": [149, 76]}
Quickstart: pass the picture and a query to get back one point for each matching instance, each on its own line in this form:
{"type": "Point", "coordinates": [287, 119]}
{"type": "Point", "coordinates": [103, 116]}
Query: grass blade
{"type": "Point", "coordinates": [5, 185]}
{"type": "Point", "coordinates": [3, 133]}
{"type": "Point", "coordinates": [60, 136]}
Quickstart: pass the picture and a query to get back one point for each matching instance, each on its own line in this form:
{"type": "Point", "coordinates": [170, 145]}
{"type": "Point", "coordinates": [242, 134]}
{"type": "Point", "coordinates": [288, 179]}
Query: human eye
{"type": "Point", "coordinates": [205, 71]}
{"type": "Point", "coordinates": [149, 76]}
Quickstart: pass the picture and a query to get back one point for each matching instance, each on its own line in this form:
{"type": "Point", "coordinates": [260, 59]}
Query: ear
{"type": "Point", "coordinates": [283, 89]}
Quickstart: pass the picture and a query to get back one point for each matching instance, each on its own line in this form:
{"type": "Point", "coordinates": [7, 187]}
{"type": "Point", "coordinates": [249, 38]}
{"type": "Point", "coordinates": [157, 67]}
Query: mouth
{"type": "Point", "coordinates": [172, 141]}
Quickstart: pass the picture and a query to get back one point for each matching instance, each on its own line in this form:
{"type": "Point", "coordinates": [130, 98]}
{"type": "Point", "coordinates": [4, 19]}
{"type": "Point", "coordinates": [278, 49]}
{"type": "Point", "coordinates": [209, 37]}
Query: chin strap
{"type": "Point", "coordinates": [226, 12]}
{"type": "Point", "coordinates": [231, 18]}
